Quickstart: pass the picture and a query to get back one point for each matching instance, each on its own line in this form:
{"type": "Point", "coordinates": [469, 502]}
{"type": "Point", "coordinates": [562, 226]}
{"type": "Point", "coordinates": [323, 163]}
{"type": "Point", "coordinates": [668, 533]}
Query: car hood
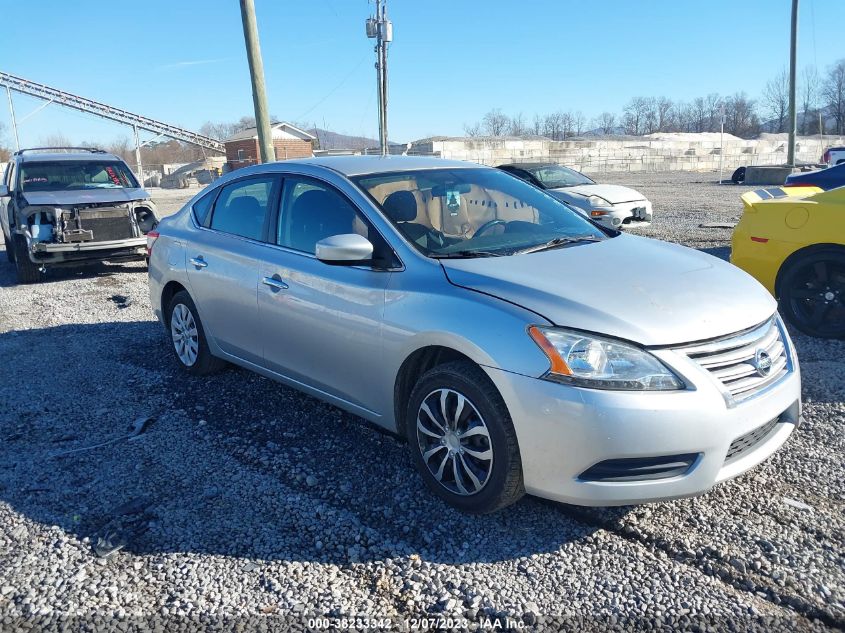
{"type": "Point", "coordinates": [635, 288]}
{"type": "Point", "coordinates": [614, 194]}
{"type": "Point", "coordinates": [84, 196]}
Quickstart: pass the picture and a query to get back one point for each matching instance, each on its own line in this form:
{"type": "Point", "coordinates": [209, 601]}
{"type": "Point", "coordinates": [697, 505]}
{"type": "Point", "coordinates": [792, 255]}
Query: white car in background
{"type": "Point", "coordinates": [613, 206]}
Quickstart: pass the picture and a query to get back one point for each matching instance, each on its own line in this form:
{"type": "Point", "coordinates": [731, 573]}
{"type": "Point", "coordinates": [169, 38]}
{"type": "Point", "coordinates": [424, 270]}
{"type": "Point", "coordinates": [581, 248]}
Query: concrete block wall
{"type": "Point", "coordinates": [628, 155]}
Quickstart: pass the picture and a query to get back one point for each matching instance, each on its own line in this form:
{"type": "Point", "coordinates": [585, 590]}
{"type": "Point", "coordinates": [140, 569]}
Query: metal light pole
{"type": "Point", "coordinates": [793, 113]}
{"type": "Point", "coordinates": [14, 121]}
{"type": "Point", "coordinates": [256, 73]}
{"type": "Point", "coordinates": [381, 29]}
{"type": "Point", "coordinates": [138, 155]}
{"type": "Point", "coordinates": [721, 140]}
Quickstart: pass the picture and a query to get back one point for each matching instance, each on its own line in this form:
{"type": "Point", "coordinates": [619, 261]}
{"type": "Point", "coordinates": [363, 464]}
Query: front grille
{"type": "Point", "coordinates": [748, 442]}
{"type": "Point", "coordinates": [745, 363]}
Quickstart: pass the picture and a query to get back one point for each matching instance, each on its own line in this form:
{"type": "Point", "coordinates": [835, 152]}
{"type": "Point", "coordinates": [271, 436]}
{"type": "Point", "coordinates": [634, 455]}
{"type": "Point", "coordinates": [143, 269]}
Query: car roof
{"type": "Point", "coordinates": [363, 165]}
{"type": "Point", "coordinates": [52, 157]}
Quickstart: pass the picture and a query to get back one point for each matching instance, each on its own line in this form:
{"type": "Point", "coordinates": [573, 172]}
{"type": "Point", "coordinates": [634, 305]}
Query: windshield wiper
{"type": "Point", "coordinates": [465, 254]}
{"type": "Point", "coordinates": [556, 242]}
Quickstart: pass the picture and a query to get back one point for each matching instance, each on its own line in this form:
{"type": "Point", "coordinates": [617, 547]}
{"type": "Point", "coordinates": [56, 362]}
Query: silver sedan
{"type": "Point", "coordinates": [475, 315]}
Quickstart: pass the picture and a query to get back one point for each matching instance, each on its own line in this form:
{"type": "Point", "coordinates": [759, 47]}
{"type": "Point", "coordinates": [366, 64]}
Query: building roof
{"type": "Point", "coordinates": [252, 132]}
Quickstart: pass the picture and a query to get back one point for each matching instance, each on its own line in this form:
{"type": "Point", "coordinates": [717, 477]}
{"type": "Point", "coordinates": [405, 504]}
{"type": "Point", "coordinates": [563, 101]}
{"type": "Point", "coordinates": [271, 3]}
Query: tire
{"type": "Point", "coordinates": [192, 350]}
{"type": "Point", "coordinates": [497, 480]}
{"type": "Point", "coordinates": [738, 177]}
{"type": "Point", "coordinates": [10, 249]}
{"type": "Point", "coordinates": [812, 293]}
{"type": "Point", "coordinates": [28, 272]}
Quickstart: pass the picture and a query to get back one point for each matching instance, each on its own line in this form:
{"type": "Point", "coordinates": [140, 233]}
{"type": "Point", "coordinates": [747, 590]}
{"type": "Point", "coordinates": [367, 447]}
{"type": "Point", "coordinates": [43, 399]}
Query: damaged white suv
{"type": "Point", "coordinates": [70, 206]}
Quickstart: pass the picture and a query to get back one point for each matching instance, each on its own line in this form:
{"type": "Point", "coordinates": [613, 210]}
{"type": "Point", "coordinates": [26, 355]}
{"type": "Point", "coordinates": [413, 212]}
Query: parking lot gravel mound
{"type": "Point", "coordinates": [241, 502]}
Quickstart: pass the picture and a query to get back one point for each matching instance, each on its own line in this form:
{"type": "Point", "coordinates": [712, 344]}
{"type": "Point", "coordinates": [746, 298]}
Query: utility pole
{"type": "Point", "coordinates": [14, 121]}
{"type": "Point", "coordinates": [256, 73]}
{"type": "Point", "coordinates": [721, 140]}
{"type": "Point", "coordinates": [793, 113]}
{"type": "Point", "coordinates": [380, 28]}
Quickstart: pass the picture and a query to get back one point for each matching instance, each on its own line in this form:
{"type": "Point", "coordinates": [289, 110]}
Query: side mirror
{"type": "Point", "coordinates": [4, 191]}
{"type": "Point", "coordinates": [347, 249]}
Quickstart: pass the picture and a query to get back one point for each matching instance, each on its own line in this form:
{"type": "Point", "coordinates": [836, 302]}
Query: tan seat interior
{"type": "Point", "coordinates": [476, 208]}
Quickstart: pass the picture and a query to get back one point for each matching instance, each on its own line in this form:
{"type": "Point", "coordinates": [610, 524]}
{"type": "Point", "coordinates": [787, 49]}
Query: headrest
{"type": "Point", "coordinates": [400, 206]}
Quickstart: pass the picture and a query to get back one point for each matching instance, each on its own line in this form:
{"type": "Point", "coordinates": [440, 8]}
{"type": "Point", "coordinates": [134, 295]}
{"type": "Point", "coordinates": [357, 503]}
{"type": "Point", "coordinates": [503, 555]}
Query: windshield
{"type": "Point", "coordinates": [554, 176]}
{"type": "Point", "coordinates": [474, 212]}
{"type": "Point", "coordinates": [71, 175]}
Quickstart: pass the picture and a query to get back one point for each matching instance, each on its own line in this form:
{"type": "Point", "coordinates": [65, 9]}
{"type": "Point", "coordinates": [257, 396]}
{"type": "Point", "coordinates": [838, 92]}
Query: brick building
{"type": "Point", "coordinates": [288, 142]}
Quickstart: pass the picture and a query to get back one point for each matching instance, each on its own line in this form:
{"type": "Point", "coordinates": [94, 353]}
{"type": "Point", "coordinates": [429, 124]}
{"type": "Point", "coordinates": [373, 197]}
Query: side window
{"type": "Point", "coordinates": [242, 207]}
{"type": "Point", "coordinates": [203, 206]}
{"type": "Point", "coordinates": [311, 211]}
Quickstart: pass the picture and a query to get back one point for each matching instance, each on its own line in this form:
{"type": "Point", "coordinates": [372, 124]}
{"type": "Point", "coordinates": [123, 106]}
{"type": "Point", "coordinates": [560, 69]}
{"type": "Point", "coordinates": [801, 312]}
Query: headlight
{"type": "Point", "coordinates": [589, 361]}
{"type": "Point", "coordinates": [598, 201]}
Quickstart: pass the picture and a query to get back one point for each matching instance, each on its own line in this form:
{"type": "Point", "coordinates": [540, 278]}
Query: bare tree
{"type": "Point", "coordinates": [472, 130]}
{"type": "Point", "coordinates": [495, 123]}
{"type": "Point", "coordinates": [554, 126]}
{"type": "Point", "coordinates": [635, 114]}
{"type": "Point", "coordinates": [809, 94]}
{"type": "Point", "coordinates": [606, 123]}
{"type": "Point", "coordinates": [740, 116]}
{"type": "Point", "coordinates": [776, 101]}
{"type": "Point", "coordinates": [517, 125]}
{"type": "Point", "coordinates": [664, 108]}
{"type": "Point", "coordinates": [578, 122]}
{"type": "Point", "coordinates": [537, 125]}
{"type": "Point", "coordinates": [56, 139]}
{"type": "Point", "coordinates": [833, 93]}
{"type": "Point", "coordinates": [5, 151]}
{"type": "Point", "coordinates": [712, 104]}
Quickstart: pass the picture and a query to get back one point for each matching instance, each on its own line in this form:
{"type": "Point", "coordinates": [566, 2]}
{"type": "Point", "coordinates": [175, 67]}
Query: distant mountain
{"type": "Point", "coordinates": [334, 140]}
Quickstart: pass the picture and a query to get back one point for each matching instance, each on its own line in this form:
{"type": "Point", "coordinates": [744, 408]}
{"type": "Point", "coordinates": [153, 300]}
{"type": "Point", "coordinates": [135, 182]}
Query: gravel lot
{"type": "Point", "coordinates": [246, 500]}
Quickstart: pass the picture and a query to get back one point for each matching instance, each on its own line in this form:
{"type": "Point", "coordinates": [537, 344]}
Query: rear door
{"type": "Point", "coordinates": [223, 266]}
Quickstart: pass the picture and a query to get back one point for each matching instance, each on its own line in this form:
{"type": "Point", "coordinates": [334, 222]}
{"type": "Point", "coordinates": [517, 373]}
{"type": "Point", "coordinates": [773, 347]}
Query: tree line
{"type": "Point", "coordinates": [744, 116]}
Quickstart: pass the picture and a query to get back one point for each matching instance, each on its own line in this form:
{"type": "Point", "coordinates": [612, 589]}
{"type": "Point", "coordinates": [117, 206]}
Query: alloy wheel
{"type": "Point", "coordinates": [183, 330]}
{"type": "Point", "coordinates": [817, 297]}
{"type": "Point", "coordinates": [454, 442]}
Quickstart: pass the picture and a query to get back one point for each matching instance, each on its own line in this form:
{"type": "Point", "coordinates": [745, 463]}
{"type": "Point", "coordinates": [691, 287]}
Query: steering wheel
{"type": "Point", "coordinates": [487, 225]}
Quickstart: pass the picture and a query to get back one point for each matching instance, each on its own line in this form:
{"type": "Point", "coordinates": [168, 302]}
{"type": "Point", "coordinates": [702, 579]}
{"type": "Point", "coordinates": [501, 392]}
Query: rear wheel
{"type": "Point", "coordinates": [188, 337]}
{"type": "Point", "coordinates": [28, 272]}
{"type": "Point", "coordinates": [462, 439]}
{"type": "Point", "coordinates": [812, 293]}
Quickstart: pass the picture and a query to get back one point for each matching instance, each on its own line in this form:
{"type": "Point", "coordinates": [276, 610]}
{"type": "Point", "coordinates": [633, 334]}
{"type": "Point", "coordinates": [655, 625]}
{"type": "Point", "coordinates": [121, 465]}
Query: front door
{"type": "Point", "coordinates": [321, 324]}
{"type": "Point", "coordinates": [223, 266]}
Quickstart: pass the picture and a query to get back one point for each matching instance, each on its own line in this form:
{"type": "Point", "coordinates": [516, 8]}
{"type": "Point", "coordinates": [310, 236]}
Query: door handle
{"type": "Point", "coordinates": [275, 282]}
{"type": "Point", "coordinates": [198, 262]}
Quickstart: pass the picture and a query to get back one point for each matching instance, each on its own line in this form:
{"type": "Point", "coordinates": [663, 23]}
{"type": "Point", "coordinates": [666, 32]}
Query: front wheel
{"type": "Point", "coordinates": [188, 337]}
{"type": "Point", "coordinates": [812, 293]}
{"type": "Point", "coordinates": [462, 439]}
{"type": "Point", "coordinates": [27, 271]}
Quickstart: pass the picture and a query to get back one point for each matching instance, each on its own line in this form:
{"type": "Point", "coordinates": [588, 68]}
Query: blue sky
{"type": "Point", "coordinates": [183, 61]}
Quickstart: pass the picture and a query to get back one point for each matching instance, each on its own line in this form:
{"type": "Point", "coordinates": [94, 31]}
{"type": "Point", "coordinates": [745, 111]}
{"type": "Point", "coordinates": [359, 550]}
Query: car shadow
{"type": "Point", "coordinates": [232, 464]}
{"type": "Point", "coordinates": [722, 252]}
{"type": "Point", "coordinates": [61, 274]}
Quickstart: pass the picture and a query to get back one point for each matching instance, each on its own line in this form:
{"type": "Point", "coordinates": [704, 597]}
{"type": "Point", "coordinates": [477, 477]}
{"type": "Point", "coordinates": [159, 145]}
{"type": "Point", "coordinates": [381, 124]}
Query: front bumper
{"type": "Point", "coordinates": [56, 253]}
{"type": "Point", "coordinates": [623, 214]}
{"type": "Point", "coordinates": [563, 431]}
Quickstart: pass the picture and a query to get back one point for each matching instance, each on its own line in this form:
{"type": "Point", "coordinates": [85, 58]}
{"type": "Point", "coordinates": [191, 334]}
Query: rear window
{"type": "Point", "coordinates": [75, 175]}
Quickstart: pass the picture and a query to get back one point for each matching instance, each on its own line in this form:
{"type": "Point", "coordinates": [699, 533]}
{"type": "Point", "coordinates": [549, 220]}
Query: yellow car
{"type": "Point", "coordinates": [792, 240]}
